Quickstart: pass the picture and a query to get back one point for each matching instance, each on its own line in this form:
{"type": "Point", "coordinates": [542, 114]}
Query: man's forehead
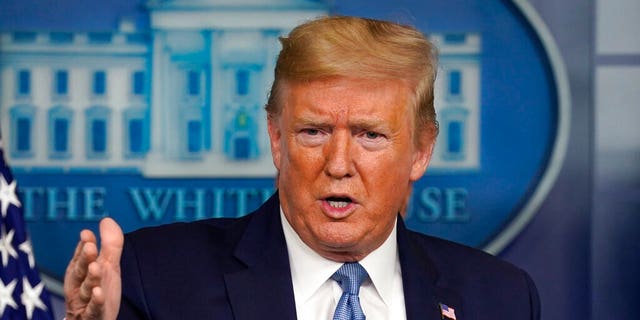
{"type": "Point", "coordinates": [363, 102]}
{"type": "Point", "coordinates": [339, 91]}
{"type": "Point", "coordinates": [320, 116]}
{"type": "Point", "coordinates": [378, 119]}
{"type": "Point", "coordinates": [329, 82]}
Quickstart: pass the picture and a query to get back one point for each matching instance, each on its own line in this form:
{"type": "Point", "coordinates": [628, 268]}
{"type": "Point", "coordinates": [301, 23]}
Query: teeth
{"type": "Point", "coordinates": [338, 204]}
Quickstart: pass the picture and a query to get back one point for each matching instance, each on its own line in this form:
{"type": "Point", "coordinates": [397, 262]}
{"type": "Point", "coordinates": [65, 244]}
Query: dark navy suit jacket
{"type": "Point", "coordinates": [239, 269]}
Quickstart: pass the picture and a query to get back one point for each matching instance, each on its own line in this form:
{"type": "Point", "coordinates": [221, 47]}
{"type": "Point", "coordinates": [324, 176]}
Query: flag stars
{"type": "Point", "coordinates": [6, 248]}
{"type": "Point", "coordinates": [19, 298]}
{"type": "Point", "coordinates": [28, 250]}
{"type": "Point", "coordinates": [7, 195]}
{"type": "Point", "coordinates": [6, 296]}
{"type": "Point", "coordinates": [30, 297]}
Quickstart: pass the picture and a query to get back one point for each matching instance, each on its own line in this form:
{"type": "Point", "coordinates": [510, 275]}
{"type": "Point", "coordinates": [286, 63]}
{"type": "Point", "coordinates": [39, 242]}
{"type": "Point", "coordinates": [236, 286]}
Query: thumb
{"type": "Point", "coordinates": [112, 240]}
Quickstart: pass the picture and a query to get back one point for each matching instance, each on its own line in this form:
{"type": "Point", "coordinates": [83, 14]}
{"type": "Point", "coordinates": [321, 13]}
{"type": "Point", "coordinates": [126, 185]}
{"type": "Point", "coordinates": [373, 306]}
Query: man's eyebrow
{"type": "Point", "coordinates": [312, 120]}
{"type": "Point", "coordinates": [315, 120]}
{"type": "Point", "coordinates": [369, 123]}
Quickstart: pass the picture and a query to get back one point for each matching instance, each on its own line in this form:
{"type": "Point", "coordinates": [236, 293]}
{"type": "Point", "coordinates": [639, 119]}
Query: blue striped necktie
{"type": "Point", "coordinates": [350, 276]}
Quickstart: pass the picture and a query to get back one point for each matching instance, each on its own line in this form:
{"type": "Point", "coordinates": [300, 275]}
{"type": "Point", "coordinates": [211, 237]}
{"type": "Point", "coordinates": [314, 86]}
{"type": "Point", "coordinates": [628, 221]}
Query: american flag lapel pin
{"type": "Point", "coordinates": [447, 312]}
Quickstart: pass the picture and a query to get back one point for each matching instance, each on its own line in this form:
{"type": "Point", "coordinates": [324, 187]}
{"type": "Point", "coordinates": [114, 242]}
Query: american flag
{"type": "Point", "coordinates": [22, 293]}
{"type": "Point", "coordinates": [448, 313]}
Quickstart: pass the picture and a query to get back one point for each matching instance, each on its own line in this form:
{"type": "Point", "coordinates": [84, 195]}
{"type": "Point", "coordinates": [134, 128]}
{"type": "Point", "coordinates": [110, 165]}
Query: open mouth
{"type": "Point", "coordinates": [338, 202]}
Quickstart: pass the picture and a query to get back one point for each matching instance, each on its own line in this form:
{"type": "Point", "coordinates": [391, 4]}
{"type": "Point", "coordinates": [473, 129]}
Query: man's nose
{"type": "Point", "coordinates": [339, 156]}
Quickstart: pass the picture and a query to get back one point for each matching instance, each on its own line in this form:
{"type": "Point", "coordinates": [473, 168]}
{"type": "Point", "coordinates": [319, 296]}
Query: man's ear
{"type": "Point", "coordinates": [275, 138]}
{"type": "Point", "coordinates": [422, 154]}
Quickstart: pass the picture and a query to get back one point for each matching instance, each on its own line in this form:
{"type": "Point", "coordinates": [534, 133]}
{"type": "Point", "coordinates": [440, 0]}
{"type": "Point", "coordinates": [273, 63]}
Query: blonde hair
{"type": "Point", "coordinates": [339, 46]}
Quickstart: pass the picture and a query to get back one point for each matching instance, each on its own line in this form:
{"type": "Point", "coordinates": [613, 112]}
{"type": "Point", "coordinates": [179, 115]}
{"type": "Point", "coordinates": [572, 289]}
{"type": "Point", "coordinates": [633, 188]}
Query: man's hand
{"type": "Point", "coordinates": [92, 285]}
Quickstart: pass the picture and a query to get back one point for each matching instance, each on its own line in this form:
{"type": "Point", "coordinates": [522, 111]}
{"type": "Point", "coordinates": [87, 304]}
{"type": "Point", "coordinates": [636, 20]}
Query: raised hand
{"type": "Point", "coordinates": [92, 284]}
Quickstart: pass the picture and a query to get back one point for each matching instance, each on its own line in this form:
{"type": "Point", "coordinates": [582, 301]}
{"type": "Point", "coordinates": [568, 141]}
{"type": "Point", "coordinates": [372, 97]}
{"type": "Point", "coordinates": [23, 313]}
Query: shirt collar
{"type": "Point", "coordinates": [381, 264]}
{"type": "Point", "coordinates": [309, 270]}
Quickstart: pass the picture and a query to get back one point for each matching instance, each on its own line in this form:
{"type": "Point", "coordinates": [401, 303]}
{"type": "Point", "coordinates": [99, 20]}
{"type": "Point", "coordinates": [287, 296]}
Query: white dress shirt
{"type": "Point", "coordinates": [316, 294]}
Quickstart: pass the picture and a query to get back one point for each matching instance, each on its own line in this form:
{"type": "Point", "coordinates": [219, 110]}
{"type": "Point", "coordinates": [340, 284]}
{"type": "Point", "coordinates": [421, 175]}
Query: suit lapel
{"type": "Point", "coordinates": [423, 293]}
{"type": "Point", "coordinates": [262, 290]}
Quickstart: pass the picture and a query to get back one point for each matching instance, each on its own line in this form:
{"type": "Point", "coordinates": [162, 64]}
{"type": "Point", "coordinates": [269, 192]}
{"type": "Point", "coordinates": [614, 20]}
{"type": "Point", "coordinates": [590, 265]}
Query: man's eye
{"type": "Point", "coordinates": [311, 132]}
{"type": "Point", "coordinates": [372, 135]}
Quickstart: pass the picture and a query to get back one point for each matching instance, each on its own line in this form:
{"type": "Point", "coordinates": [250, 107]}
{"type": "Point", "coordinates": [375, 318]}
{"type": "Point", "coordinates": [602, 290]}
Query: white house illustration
{"type": "Point", "coordinates": [457, 101]}
{"type": "Point", "coordinates": [186, 96]}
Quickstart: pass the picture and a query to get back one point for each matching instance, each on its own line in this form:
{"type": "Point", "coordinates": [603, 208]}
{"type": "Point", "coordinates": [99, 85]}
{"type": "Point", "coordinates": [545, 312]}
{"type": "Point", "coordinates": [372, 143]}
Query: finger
{"type": "Point", "coordinates": [85, 236]}
{"type": "Point", "coordinates": [94, 276]}
{"type": "Point", "coordinates": [70, 279]}
{"type": "Point", "coordinates": [88, 255]}
{"type": "Point", "coordinates": [77, 270]}
{"type": "Point", "coordinates": [95, 306]}
{"type": "Point", "coordinates": [112, 240]}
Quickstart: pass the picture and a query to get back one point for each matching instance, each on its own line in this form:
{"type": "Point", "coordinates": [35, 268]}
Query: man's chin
{"type": "Point", "coordinates": [342, 250]}
{"type": "Point", "coordinates": [343, 256]}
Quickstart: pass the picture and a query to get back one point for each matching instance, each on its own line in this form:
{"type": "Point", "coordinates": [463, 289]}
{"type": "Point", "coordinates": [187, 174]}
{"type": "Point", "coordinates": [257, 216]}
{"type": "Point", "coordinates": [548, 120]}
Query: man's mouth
{"type": "Point", "coordinates": [338, 202]}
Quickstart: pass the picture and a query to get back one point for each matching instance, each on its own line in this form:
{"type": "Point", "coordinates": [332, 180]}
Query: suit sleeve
{"type": "Point", "coordinates": [133, 303]}
{"type": "Point", "coordinates": [534, 299]}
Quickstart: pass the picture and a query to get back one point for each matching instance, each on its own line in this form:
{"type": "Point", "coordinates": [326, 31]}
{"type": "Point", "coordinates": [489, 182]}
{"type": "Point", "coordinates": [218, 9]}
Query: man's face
{"type": "Point", "coordinates": [346, 156]}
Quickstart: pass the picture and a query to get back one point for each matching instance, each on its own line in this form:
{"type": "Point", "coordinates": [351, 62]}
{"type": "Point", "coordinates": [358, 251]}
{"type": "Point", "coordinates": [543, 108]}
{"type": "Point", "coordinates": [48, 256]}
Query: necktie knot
{"type": "Point", "coordinates": [350, 277]}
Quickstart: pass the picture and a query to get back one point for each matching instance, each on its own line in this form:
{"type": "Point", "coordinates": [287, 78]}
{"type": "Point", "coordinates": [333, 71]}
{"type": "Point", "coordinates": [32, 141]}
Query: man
{"type": "Point", "coordinates": [352, 127]}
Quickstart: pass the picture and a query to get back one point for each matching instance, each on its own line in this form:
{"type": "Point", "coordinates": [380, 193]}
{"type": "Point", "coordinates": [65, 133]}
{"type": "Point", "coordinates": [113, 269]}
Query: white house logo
{"type": "Point", "coordinates": [166, 122]}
